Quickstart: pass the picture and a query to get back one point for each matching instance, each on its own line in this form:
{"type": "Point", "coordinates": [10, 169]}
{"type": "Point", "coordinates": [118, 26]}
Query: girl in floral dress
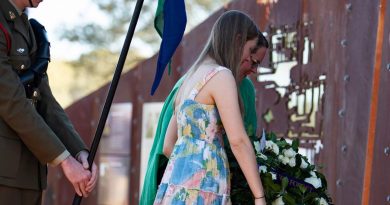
{"type": "Point", "coordinates": [206, 106]}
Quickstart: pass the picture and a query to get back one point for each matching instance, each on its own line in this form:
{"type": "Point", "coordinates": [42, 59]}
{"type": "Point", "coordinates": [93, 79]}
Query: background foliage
{"type": "Point", "coordinates": [105, 39]}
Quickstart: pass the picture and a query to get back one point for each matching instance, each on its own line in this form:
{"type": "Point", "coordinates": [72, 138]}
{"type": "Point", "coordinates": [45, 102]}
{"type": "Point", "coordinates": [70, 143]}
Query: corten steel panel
{"type": "Point", "coordinates": [380, 189]}
{"type": "Point", "coordinates": [328, 30]}
{"type": "Point", "coordinates": [349, 58]}
{"type": "Point", "coordinates": [360, 55]}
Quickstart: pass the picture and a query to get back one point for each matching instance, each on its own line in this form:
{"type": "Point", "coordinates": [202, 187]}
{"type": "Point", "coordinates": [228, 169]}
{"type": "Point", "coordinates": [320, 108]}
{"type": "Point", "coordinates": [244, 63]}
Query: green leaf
{"type": "Point", "coordinates": [310, 198]}
{"type": "Point", "coordinates": [295, 145]}
{"type": "Point", "coordinates": [273, 137]}
{"type": "Point", "coordinates": [284, 183]}
{"type": "Point", "coordinates": [283, 144]}
{"type": "Point", "coordinates": [289, 200]}
{"type": "Point", "coordinates": [302, 188]}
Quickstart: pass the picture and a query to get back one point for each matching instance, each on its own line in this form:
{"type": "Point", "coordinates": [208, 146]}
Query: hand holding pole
{"type": "Point", "coordinates": [111, 92]}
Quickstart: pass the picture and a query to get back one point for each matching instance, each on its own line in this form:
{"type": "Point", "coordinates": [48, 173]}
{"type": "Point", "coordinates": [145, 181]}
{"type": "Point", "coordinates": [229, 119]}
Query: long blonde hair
{"type": "Point", "coordinates": [226, 42]}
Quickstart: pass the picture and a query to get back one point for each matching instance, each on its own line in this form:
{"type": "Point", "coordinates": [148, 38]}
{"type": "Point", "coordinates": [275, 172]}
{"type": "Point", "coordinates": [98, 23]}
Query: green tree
{"type": "Point", "coordinates": [105, 40]}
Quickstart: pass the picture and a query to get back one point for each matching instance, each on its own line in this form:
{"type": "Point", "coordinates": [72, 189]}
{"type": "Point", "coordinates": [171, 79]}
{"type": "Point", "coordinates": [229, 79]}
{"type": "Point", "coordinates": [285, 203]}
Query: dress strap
{"type": "Point", "coordinates": [194, 92]}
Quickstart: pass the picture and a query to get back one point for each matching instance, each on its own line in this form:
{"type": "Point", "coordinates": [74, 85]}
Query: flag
{"type": "Point", "coordinates": [170, 23]}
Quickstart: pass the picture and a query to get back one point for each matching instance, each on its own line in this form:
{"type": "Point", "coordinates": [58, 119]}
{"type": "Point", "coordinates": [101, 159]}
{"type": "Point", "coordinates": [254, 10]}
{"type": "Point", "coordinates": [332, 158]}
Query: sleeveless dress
{"type": "Point", "coordinates": [198, 171]}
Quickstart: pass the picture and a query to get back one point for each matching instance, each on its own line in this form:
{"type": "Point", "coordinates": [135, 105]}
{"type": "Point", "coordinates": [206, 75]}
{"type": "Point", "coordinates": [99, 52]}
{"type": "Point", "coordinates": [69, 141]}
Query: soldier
{"type": "Point", "coordinates": [34, 129]}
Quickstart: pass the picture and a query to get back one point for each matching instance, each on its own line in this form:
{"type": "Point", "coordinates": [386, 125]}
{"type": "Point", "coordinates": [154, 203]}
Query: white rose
{"type": "Point", "coordinates": [285, 160]}
{"type": "Point", "coordinates": [262, 169]}
{"type": "Point", "coordinates": [278, 201]}
{"type": "Point", "coordinates": [292, 162]}
{"type": "Point", "coordinates": [257, 146]}
{"type": "Point", "coordinates": [275, 148]}
{"type": "Point", "coordinates": [322, 201]}
{"type": "Point", "coordinates": [268, 144]}
{"type": "Point", "coordinates": [304, 164]}
{"type": "Point", "coordinates": [289, 153]}
{"type": "Point", "coordinates": [280, 157]}
{"type": "Point", "coordinates": [316, 182]}
{"type": "Point", "coordinates": [273, 176]}
{"type": "Point", "coordinates": [262, 156]}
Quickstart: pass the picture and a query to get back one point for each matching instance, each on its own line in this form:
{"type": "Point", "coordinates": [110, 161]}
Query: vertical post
{"type": "Point", "coordinates": [111, 92]}
{"type": "Point", "coordinates": [374, 104]}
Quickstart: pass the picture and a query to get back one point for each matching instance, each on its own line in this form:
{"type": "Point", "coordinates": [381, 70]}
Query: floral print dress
{"type": "Point", "coordinates": [198, 170]}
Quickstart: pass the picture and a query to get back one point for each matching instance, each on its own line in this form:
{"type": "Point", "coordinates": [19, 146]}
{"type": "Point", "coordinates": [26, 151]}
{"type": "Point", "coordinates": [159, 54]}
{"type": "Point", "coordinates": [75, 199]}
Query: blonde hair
{"type": "Point", "coordinates": [226, 42]}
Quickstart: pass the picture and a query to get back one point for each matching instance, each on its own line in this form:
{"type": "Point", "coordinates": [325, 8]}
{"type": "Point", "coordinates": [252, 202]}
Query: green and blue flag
{"type": "Point", "coordinates": [170, 23]}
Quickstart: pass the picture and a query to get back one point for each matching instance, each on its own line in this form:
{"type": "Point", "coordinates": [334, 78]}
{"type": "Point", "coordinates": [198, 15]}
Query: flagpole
{"type": "Point", "coordinates": [111, 92]}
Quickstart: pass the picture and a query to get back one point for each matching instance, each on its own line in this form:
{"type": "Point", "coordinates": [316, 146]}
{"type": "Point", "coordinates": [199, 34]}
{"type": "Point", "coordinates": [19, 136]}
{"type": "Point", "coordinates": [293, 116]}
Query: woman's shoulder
{"type": "Point", "coordinates": [222, 76]}
{"type": "Point", "coordinates": [222, 85]}
{"type": "Point", "coordinates": [222, 68]}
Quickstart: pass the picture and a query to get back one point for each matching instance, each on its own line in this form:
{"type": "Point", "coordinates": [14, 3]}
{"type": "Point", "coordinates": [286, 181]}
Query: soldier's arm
{"type": "Point", "coordinates": [58, 121]}
{"type": "Point", "coordinates": [20, 115]}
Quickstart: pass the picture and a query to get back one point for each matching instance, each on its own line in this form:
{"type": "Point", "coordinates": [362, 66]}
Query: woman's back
{"type": "Point", "coordinates": [198, 169]}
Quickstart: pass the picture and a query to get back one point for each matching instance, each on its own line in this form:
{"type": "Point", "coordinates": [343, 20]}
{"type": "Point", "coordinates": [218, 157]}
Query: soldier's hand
{"type": "Point", "coordinates": [92, 182]}
{"type": "Point", "coordinates": [83, 159]}
{"type": "Point", "coordinates": [77, 175]}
